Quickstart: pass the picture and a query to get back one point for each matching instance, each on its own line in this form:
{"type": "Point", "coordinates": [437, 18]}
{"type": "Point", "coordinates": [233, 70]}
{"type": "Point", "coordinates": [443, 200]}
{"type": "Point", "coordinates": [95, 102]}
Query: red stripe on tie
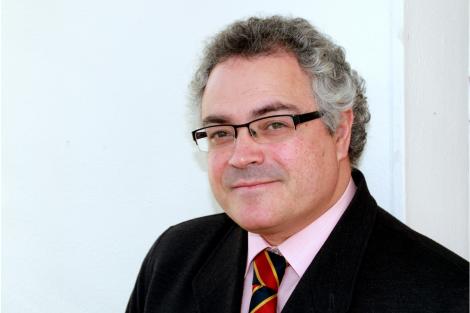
{"type": "Point", "coordinates": [265, 271]}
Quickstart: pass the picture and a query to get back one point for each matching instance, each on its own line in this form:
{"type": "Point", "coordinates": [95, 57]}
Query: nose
{"type": "Point", "coordinates": [246, 151]}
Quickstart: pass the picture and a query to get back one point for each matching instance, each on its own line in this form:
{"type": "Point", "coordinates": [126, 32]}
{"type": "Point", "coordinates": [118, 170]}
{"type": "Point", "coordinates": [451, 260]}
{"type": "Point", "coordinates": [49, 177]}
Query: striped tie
{"type": "Point", "coordinates": [268, 270]}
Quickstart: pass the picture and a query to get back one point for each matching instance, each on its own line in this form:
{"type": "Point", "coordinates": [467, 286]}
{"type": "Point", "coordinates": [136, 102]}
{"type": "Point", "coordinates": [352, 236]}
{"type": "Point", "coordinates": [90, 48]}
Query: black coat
{"type": "Point", "coordinates": [371, 262]}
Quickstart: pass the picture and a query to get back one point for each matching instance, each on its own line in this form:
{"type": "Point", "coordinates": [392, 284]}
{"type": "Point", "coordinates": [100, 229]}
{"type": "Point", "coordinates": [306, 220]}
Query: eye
{"type": "Point", "coordinates": [219, 134]}
{"type": "Point", "coordinates": [275, 125]}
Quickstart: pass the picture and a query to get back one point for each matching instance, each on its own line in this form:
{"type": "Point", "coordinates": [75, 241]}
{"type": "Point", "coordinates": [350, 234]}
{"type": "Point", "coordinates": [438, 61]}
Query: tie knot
{"type": "Point", "coordinates": [268, 270]}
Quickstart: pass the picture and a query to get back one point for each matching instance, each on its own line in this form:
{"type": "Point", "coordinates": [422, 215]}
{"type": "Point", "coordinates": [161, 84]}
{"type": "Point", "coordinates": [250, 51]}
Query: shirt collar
{"type": "Point", "coordinates": [301, 248]}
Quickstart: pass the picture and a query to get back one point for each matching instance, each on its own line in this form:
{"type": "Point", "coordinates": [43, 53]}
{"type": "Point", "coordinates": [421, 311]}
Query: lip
{"type": "Point", "coordinates": [252, 185]}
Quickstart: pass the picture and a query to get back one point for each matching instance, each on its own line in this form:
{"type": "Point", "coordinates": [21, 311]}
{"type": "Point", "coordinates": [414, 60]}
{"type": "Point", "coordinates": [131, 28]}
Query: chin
{"type": "Point", "coordinates": [252, 218]}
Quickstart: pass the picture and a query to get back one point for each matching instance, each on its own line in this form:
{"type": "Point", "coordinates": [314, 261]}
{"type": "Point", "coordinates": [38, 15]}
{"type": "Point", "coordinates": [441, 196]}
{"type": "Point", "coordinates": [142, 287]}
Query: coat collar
{"type": "Point", "coordinates": [328, 283]}
{"type": "Point", "coordinates": [218, 286]}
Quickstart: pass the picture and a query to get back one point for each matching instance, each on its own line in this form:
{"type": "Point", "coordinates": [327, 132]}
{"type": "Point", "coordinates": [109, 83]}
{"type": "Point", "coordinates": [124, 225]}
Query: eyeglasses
{"type": "Point", "coordinates": [269, 129]}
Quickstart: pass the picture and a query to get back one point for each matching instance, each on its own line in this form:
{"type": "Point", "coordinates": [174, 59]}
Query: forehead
{"type": "Point", "coordinates": [242, 88]}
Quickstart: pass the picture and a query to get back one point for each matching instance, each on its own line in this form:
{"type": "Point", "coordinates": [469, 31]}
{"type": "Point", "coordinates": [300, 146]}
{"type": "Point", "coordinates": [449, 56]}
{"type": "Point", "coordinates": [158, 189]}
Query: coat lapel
{"type": "Point", "coordinates": [328, 283]}
{"type": "Point", "coordinates": [218, 286]}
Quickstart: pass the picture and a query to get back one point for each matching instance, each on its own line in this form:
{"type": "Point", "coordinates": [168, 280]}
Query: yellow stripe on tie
{"type": "Point", "coordinates": [258, 275]}
{"type": "Point", "coordinates": [262, 303]}
{"type": "Point", "coordinates": [272, 267]}
{"type": "Point", "coordinates": [256, 288]}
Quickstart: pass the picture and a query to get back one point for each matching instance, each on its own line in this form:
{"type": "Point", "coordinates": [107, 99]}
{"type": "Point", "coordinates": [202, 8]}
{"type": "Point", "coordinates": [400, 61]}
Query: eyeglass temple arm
{"type": "Point", "coordinates": [302, 118]}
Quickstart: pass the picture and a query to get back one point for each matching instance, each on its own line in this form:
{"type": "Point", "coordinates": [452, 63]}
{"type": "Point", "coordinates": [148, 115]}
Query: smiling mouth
{"type": "Point", "coordinates": [252, 185]}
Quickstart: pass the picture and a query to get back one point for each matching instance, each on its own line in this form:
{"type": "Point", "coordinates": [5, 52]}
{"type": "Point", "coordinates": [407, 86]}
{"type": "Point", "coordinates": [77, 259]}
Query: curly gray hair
{"type": "Point", "coordinates": [336, 87]}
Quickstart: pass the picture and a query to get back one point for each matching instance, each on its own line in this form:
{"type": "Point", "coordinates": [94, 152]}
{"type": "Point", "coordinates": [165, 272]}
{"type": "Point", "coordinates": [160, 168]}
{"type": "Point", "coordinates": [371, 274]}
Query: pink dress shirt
{"type": "Point", "coordinates": [299, 250]}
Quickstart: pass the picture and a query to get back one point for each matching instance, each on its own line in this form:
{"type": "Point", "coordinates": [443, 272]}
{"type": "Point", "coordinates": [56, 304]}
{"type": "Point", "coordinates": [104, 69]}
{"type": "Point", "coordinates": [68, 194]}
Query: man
{"type": "Point", "coordinates": [284, 123]}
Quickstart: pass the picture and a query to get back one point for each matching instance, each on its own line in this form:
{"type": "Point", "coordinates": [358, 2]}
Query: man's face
{"type": "Point", "coordinates": [273, 189]}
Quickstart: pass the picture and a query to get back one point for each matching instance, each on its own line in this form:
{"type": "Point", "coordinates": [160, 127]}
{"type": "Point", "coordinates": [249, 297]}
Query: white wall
{"type": "Point", "coordinates": [436, 124]}
{"type": "Point", "coordinates": [97, 157]}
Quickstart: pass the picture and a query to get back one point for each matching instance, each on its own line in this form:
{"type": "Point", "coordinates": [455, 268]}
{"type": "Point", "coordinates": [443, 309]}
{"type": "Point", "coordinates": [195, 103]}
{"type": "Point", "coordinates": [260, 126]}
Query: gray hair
{"type": "Point", "coordinates": [336, 87]}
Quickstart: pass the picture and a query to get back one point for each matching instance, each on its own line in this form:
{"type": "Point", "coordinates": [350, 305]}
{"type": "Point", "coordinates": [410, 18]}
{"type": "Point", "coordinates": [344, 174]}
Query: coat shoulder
{"type": "Point", "coordinates": [401, 242]}
{"type": "Point", "coordinates": [404, 271]}
{"type": "Point", "coordinates": [190, 238]}
{"type": "Point", "coordinates": [199, 228]}
{"type": "Point", "coordinates": [174, 260]}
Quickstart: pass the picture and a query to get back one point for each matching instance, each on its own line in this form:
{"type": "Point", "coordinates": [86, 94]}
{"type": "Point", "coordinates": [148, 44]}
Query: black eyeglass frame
{"type": "Point", "coordinates": [296, 118]}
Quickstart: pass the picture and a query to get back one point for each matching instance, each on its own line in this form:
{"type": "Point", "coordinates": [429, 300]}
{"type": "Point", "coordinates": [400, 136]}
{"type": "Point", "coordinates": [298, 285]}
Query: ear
{"type": "Point", "coordinates": [342, 134]}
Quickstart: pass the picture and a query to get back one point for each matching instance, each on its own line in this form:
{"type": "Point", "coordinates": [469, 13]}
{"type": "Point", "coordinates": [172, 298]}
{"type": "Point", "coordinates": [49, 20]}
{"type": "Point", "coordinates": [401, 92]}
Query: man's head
{"type": "Point", "coordinates": [276, 66]}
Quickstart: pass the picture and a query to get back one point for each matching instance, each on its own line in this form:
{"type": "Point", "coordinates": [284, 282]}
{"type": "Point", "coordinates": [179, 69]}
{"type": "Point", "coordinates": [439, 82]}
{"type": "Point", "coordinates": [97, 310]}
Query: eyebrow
{"type": "Point", "coordinates": [268, 108]}
{"type": "Point", "coordinates": [273, 107]}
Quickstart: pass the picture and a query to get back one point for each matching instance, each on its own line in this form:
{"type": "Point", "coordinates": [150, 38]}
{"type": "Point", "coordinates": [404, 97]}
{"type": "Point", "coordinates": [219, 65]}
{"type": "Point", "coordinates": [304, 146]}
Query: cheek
{"type": "Point", "coordinates": [304, 161]}
{"type": "Point", "coordinates": [216, 164]}
{"type": "Point", "coordinates": [294, 154]}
